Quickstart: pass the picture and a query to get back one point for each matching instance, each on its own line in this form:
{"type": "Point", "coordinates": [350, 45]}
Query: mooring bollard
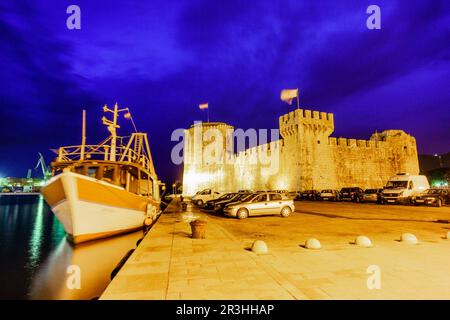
{"type": "Point", "coordinates": [313, 244]}
{"type": "Point", "coordinates": [260, 247]}
{"type": "Point", "coordinates": [363, 241]}
{"type": "Point", "coordinates": [409, 238]}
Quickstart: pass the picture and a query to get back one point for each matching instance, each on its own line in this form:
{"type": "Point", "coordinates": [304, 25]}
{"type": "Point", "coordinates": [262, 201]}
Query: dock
{"type": "Point", "coordinates": [14, 194]}
{"type": "Point", "coordinates": [170, 265]}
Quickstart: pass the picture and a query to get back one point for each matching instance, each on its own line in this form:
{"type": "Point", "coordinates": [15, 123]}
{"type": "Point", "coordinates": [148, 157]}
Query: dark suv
{"type": "Point", "coordinates": [354, 194]}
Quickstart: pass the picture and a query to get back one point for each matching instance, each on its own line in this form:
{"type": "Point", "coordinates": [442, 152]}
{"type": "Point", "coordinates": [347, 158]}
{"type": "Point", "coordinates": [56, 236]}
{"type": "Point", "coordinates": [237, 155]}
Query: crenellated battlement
{"type": "Point", "coordinates": [266, 148]}
{"type": "Point", "coordinates": [302, 119]}
{"type": "Point", "coordinates": [306, 115]}
{"type": "Point", "coordinates": [356, 143]}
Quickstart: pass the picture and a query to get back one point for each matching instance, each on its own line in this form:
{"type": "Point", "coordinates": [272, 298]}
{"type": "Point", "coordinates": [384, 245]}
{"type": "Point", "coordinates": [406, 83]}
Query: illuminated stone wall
{"type": "Point", "coordinates": [201, 173]}
{"type": "Point", "coordinates": [308, 158]}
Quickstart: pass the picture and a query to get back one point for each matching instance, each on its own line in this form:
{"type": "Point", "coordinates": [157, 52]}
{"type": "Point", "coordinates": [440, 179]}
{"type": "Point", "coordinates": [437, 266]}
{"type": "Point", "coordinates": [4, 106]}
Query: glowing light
{"type": "Point", "coordinates": [198, 181]}
{"type": "Point", "coordinates": [439, 183]}
{"type": "Point", "coordinates": [282, 184]}
{"type": "Point", "coordinates": [36, 236]}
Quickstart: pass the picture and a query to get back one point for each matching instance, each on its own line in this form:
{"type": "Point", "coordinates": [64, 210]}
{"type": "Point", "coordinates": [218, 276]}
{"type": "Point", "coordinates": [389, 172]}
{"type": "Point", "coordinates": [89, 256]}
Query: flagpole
{"type": "Point", "coordinates": [298, 102]}
{"type": "Point", "coordinates": [208, 113]}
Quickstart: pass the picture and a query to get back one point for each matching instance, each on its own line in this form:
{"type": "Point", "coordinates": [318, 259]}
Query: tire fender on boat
{"type": "Point", "coordinates": [151, 214]}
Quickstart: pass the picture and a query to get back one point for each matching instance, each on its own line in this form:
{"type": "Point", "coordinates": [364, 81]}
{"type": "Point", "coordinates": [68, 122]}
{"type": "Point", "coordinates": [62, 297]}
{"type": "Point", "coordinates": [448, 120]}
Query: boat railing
{"type": "Point", "coordinates": [102, 152]}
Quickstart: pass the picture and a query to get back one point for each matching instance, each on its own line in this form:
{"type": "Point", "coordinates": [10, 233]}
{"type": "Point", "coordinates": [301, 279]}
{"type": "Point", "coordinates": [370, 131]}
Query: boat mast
{"type": "Point", "coordinates": [83, 136]}
{"type": "Point", "coordinates": [112, 128]}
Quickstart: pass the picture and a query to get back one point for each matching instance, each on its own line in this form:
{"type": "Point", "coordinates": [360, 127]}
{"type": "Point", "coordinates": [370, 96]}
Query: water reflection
{"type": "Point", "coordinates": [36, 235]}
{"type": "Point", "coordinates": [95, 260]}
{"type": "Point", "coordinates": [34, 254]}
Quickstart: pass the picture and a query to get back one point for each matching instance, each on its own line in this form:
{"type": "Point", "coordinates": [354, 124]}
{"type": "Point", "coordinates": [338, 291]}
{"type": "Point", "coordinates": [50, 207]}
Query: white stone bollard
{"type": "Point", "coordinates": [363, 241]}
{"type": "Point", "coordinates": [312, 244]}
{"type": "Point", "coordinates": [409, 238]}
{"type": "Point", "coordinates": [260, 247]}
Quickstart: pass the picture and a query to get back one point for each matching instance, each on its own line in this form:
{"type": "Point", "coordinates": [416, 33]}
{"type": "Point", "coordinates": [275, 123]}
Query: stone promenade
{"type": "Point", "coordinates": [169, 264]}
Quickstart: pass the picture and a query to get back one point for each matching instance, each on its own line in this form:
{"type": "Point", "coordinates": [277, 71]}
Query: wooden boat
{"type": "Point", "coordinates": [107, 189]}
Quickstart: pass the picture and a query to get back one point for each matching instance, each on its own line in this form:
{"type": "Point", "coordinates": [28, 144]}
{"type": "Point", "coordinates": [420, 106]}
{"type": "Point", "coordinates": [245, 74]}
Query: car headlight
{"type": "Point", "coordinates": [400, 194]}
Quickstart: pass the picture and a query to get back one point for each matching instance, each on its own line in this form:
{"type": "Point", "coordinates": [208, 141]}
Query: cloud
{"type": "Point", "coordinates": [164, 58]}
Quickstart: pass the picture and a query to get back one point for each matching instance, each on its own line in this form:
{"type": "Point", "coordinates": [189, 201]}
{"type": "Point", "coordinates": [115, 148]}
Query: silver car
{"type": "Point", "coordinates": [372, 195]}
{"type": "Point", "coordinates": [261, 204]}
{"type": "Point", "coordinates": [331, 195]}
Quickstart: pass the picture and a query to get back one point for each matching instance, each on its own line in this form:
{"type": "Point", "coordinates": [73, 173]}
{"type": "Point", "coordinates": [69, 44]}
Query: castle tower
{"type": "Point", "coordinates": [306, 151]}
{"type": "Point", "coordinates": [402, 150]}
{"type": "Point", "coordinates": [208, 157]}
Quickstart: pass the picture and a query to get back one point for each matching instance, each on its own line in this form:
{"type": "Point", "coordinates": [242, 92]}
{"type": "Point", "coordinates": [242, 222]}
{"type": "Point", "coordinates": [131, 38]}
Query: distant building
{"type": "Point", "coordinates": [429, 162]}
{"type": "Point", "coordinates": [308, 158]}
{"type": "Point", "coordinates": [10, 184]}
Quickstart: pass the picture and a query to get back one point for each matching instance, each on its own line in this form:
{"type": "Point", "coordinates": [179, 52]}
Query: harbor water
{"type": "Point", "coordinates": [36, 260]}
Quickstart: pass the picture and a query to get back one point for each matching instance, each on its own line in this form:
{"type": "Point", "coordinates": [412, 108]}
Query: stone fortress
{"type": "Point", "coordinates": [308, 158]}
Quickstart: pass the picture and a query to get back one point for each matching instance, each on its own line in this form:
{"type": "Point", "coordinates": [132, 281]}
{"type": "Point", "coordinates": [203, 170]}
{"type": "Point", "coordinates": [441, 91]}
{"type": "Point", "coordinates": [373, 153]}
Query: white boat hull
{"type": "Point", "coordinates": [91, 209]}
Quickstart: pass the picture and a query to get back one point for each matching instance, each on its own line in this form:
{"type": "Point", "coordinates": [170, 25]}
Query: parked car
{"type": "Point", "coordinates": [261, 204]}
{"type": "Point", "coordinates": [329, 195]}
{"type": "Point", "coordinates": [201, 197]}
{"type": "Point", "coordinates": [281, 191]}
{"type": "Point", "coordinates": [434, 197]}
{"type": "Point", "coordinates": [209, 205]}
{"type": "Point", "coordinates": [309, 195]}
{"type": "Point", "coordinates": [354, 194]}
{"type": "Point", "coordinates": [245, 191]}
{"type": "Point", "coordinates": [219, 205]}
{"type": "Point", "coordinates": [404, 188]}
{"type": "Point", "coordinates": [294, 195]}
{"type": "Point", "coordinates": [372, 195]}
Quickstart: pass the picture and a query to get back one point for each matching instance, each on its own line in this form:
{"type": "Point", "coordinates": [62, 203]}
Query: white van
{"type": "Point", "coordinates": [403, 188]}
{"type": "Point", "coordinates": [201, 197]}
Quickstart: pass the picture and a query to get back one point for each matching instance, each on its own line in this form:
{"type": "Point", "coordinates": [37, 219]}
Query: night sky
{"type": "Point", "coordinates": [163, 58]}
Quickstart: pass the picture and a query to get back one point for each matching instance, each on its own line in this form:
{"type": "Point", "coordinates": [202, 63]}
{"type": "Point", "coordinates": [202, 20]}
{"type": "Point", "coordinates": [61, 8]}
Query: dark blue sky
{"type": "Point", "coordinates": [163, 58]}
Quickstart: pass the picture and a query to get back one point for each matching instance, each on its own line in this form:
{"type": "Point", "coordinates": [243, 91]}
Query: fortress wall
{"type": "Point", "coordinates": [370, 163]}
{"type": "Point", "coordinates": [360, 163]}
{"type": "Point", "coordinates": [252, 167]}
{"type": "Point", "coordinates": [199, 173]}
{"type": "Point", "coordinates": [305, 158]}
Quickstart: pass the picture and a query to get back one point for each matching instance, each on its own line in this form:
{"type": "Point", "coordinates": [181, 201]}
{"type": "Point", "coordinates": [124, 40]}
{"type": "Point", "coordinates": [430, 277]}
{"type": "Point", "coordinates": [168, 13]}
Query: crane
{"type": "Point", "coordinates": [46, 171]}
